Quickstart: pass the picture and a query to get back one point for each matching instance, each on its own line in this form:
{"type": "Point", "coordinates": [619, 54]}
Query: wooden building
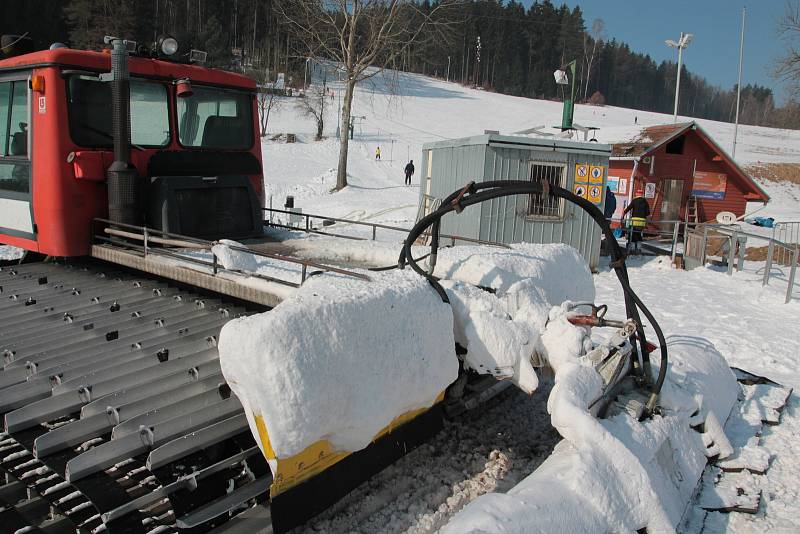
{"type": "Point", "coordinates": [679, 167]}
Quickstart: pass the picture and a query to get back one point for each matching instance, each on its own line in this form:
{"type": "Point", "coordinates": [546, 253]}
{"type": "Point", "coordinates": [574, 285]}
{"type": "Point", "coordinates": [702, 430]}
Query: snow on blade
{"type": "Point", "coordinates": [556, 272]}
{"type": "Point", "coordinates": [617, 474]}
{"type": "Point", "coordinates": [500, 329]}
{"type": "Point", "coordinates": [340, 359]}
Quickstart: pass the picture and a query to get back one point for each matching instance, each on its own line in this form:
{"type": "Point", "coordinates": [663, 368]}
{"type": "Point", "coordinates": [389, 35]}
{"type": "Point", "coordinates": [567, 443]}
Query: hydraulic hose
{"type": "Point", "coordinates": [474, 193]}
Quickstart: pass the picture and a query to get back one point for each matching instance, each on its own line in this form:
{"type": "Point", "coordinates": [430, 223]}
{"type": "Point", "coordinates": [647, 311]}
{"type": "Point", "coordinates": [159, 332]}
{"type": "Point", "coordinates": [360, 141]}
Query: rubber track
{"type": "Point", "coordinates": [85, 348]}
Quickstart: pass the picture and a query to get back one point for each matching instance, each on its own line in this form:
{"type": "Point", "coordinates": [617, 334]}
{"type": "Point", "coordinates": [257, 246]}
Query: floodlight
{"type": "Point", "coordinates": [671, 43]}
{"type": "Point", "coordinates": [167, 45]}
{"type": "Point", "coordinates": [561, 77]}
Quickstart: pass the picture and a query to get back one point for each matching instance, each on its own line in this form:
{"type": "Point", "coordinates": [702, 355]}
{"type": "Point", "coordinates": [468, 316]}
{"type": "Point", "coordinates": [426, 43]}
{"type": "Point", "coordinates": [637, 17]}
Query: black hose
{"type": "Point", "coordinates": [474, 193]}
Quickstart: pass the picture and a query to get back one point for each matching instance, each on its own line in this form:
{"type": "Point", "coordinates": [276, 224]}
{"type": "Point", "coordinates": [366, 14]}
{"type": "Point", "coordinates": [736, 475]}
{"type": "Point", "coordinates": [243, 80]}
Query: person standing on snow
{"type": "Point", "coordinates": [640, 211]}
{"type": "Point", "coordinates": [611, 204]}
{"type": "Point", "coordinates": [609, 207]}
{"type": "Point", "coordinates": [378, 154]}
{"type": "Point", "coordinates": [409, 171]}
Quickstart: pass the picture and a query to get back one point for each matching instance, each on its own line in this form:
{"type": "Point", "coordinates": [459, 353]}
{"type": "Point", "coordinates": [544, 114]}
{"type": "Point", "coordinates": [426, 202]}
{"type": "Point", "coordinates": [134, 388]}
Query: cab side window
{"type": "Point", "coordinates": [14, 158]}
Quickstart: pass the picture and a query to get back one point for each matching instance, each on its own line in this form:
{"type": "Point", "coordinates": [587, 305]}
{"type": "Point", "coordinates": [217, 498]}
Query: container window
{"type": "Point", "coordinates": [541, 206]}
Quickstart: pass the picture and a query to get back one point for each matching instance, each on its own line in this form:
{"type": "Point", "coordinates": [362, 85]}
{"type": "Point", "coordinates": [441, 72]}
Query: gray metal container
{"type": "Point", "coordinates": [448, 165]}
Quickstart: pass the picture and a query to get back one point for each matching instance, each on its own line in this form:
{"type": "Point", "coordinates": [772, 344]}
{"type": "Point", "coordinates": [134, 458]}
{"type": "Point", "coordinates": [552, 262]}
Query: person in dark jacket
{"type": "Point", "coordinates": [640, 211]}
{"type": "Point", "coordinates": [409, 171]}
{"type": "Point", "coordinates": [609, 208]}
{"type": "Point", "coordinates": [611, 204]}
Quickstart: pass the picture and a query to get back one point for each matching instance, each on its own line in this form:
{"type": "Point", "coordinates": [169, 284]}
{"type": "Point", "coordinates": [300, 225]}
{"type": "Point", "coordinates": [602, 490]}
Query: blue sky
{"type": "Point", "coordinates": [716, 24]}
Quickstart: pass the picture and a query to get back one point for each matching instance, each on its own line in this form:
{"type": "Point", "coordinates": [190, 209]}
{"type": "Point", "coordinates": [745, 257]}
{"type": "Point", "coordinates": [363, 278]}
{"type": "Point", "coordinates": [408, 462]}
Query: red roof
{"type": "Point", "coordinates": [649, 139]}
{"type": "Point", "coordinates": [101, 61]}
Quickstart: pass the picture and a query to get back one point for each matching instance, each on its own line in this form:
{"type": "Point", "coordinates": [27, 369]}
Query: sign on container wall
{"type": "Point", "coordinates": [709, 185]}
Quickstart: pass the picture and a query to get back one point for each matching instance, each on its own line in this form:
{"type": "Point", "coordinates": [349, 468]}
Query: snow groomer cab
{"type": "Point", "coordinates": [181, 155]}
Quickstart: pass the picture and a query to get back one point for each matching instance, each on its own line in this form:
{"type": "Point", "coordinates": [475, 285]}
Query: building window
{"type": "Point", "coordinates": [541, 206]}
{"type": "Point", "coordinates": [676, 145]}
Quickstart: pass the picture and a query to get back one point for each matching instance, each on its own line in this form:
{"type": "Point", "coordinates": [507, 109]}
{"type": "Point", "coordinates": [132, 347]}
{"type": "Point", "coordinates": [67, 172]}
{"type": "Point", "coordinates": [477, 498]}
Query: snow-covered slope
{"type": "Point", "coordinates": [402, 111]}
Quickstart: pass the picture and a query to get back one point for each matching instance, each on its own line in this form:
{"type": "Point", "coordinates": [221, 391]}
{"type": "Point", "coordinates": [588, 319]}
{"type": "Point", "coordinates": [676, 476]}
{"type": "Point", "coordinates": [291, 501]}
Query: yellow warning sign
{"type": "Point", "coordinates": [595, 194]}
{"type": "Point", "coordinates": [596, 174]}
{"type": "Point", "coordinates": [580, 190]}
{"type": "Point", "coordinates": [581, 173]}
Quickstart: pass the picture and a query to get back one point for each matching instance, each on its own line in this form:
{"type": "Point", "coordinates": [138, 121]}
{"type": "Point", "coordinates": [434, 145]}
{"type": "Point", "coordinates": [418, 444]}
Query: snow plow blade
{"type": "Point", "coordinates": [294, 505]}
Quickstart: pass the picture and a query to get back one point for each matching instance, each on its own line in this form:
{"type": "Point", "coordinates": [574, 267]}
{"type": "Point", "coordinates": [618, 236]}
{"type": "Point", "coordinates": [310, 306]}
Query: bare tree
{"type": "Point", "coordinates": [597, 35]}
{"type": "Point", "coordinates": [267, 101]}
{"type": "Point", "coordinates": [313, 105]}
{"type": "Point", "coordinates": [362, 38]}
{"type": "Point", "coordinates": [787, 67]}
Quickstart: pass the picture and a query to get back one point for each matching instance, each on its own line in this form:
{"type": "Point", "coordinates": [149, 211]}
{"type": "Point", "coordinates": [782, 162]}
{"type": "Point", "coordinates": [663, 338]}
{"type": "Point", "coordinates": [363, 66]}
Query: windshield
{"type": "Point", "coordinates": [90, 112]}
{"type": "Point", "coordinates": [215, 118]}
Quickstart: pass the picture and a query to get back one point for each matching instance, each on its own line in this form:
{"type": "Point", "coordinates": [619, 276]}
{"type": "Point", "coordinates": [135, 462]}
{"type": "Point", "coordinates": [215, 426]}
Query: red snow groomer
{"type": "Point", "coordinates": [185, 159]}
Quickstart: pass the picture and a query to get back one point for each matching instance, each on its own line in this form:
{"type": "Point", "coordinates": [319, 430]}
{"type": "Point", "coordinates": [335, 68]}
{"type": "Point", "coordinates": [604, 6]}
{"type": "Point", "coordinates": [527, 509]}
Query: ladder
{"type": "Point", "coordinates": [691, 211]}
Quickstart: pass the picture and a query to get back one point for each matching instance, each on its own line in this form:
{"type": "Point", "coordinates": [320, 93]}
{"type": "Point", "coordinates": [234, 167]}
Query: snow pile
{"type": "Point", "coordinates": [553, 272]}
{"type": "Point", "coordinates": [339, 361]}
{"type": "Point", "coordinates": [7, 253]}
{"type": "Point", "coordinates": [618, 474]}
{"type": "Point", "coordinates": [234, 260]}
{"type": "Point", "coordinates": [501, 298]}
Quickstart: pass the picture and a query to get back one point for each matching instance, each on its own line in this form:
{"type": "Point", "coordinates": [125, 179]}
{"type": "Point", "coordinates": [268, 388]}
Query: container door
{"type": "Point", "coordinates": [671, 202]}
{"type": "Point", "coordinates": [16, 215]}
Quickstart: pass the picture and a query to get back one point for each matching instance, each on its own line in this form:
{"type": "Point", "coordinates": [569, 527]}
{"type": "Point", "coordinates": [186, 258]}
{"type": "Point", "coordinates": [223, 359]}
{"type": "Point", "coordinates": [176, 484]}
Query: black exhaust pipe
{"type": "Point", "coordinates": [122, 178]}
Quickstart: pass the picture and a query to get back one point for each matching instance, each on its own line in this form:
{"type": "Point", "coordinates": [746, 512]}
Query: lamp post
{"type": "Point", "coordinates": [563, 78]}
{"type": "Point", "coordinates": [448, 69]}
{"type": "Point", "coordinates": [305, 74]}
{"type": "Point", "coordinates": [682, 43]}
{"type": "Point", "coordinates": [739, 85]}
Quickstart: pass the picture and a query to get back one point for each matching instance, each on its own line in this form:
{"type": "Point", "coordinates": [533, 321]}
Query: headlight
{"type": "Point", "coordinates": [168, 45]}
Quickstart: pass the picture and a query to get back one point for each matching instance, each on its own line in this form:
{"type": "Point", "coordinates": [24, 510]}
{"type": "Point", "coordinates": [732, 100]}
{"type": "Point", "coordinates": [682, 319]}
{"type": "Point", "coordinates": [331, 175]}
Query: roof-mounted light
{"type": "Point", "coordinates": [167, 45]}
{"type": "Point", "coordinates": [197, 56]}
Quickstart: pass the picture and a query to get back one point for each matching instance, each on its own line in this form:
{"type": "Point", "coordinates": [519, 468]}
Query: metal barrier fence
{"type": "Point", "coordinates": [730, 244]}
{"type": "Point", "coordinates": [304, 224]}
{"type": "Point", "coordinates": [785, 232]}
{"type": "Point", "coordinates": [733, 248]}
{"type": "Point", "coordinates": [667, 234]}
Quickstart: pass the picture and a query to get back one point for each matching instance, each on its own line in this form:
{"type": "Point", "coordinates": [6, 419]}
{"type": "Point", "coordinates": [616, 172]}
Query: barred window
{"type": "Point", "coordinates": [541, 206]}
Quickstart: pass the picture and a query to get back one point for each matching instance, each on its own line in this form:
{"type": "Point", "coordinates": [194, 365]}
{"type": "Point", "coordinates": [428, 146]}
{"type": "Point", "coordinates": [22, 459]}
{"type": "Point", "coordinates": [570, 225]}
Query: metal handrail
{"type": "Point", "coordinates": [147, 233]}
{"type": "Point", "coordinates": [374, 227]}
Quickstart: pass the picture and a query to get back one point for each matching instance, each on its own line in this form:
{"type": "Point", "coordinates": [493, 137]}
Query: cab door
{"type": "Point", "coordinates": [16, 208]}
